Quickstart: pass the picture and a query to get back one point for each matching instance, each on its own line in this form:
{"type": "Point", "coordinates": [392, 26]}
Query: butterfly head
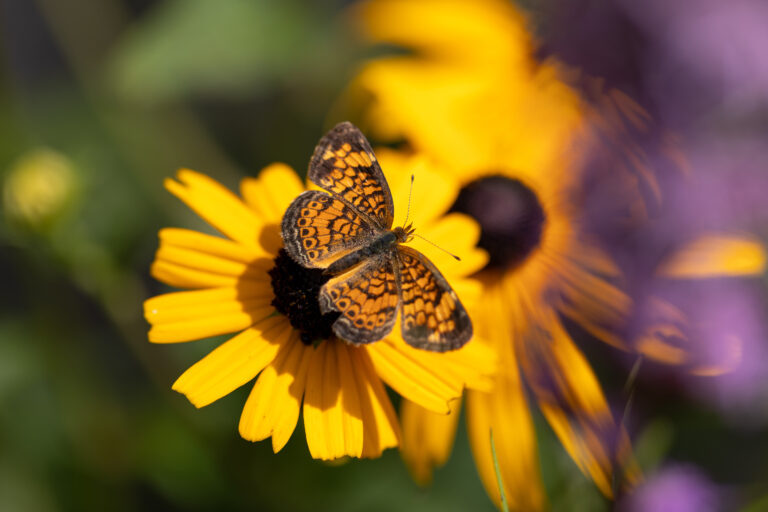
{"type": "Point", "coordinates": [404, 234]}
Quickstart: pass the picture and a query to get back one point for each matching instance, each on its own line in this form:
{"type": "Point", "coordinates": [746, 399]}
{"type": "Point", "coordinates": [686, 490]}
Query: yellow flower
{"type": "Point", "coordinates": [472, 96]}
{"type": "Point", "coordinates": [39, 187]}
{"type": "Point", "coordinates": [244, 283]}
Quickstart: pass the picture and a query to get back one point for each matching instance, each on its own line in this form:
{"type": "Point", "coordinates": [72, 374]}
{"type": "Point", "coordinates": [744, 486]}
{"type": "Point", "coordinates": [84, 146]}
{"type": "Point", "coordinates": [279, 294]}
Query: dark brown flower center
{"type": "Point", "coordinates": [296, 289]}
{"type": "Point", "coordinates": [509, 214]}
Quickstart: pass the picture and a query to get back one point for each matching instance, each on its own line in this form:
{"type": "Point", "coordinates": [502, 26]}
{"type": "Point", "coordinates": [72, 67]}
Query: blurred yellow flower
{"type": "Point", "coordinates": [472, 96]}
{"type": "Point", "coordinates": [246, 283]}
{"type": "Point", "coordinates": [39, 186]}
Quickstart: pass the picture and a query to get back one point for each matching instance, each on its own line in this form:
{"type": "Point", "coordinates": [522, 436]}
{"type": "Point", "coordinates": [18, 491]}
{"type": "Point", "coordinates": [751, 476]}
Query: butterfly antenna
{"type": "Point", "coordinates": [410, 194]}
{"type": "Point", "coordinates": [433, 243]}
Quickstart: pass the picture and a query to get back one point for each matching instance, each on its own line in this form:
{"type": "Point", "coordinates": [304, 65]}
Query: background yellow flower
{"type": "Point", "coordinates": [518, 138]}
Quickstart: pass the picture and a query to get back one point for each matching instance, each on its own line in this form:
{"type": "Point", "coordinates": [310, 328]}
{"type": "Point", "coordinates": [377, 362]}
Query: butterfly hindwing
{"type": "Point", "coordinates": [367, 299]}
{"type": "Point", "coordinates": [344, 164]}
{"type": "Point", "coordinates": [318, 229]}
{"type": "Point", "coordinates": [433, 318]}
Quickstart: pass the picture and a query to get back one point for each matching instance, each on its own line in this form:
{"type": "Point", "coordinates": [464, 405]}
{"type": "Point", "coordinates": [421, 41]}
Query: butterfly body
{"type": "Point", "coordinates": [346, 229]}
{"type": "Point", "coordinates": [385, 243]}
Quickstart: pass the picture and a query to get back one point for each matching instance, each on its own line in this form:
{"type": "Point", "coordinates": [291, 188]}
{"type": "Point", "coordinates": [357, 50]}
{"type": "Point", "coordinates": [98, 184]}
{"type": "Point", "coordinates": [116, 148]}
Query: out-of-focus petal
{"type": "Point", "coordinates": [234, 362]}
{"type": "Point", "coordinates": [333, 416]}
{"type": "Point", "coordinates": [272, 191]}
{"type": "Point", "coordinates": [427, 438]}
{"type": "Point", "coordinates": [432, 194]}
{"type": "Point", "coordinates": [505, 412]}
{"type": "Point", "coordinates": [669, 337]}
{"type": "Point", "coordinates": [458, 234]}
{"type": "Point", "coordinates": [217, 205]}
{"type": "Point", "coordinates": [591, 257]}
{"type": "Point", "coordinates": [439, 28]}
{"type": "Point", "coordinates": [594, 303]}
{"type": "Point", "coordinates": [571, 399]}
{"type": "Point", "coordinates": [715, 255]}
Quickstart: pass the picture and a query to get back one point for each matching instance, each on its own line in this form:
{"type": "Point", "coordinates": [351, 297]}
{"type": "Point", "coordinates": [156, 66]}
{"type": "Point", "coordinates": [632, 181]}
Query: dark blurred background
{"type": "Point", "coordinates": [100, 100]}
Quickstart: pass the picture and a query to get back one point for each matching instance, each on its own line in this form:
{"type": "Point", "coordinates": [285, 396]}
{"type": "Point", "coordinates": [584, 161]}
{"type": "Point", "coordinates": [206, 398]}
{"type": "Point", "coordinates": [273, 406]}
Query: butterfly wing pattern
{"type": "Point", "coordinates": [318, 229]}
{"type": "Point", "coordinates": [344, 164]}
{"type": "Point", "coordinates": [346, 229]}
{"type": "Point", "coordinates": [367, 298]}
{"type": "Point", "coordinates": [432, 315]}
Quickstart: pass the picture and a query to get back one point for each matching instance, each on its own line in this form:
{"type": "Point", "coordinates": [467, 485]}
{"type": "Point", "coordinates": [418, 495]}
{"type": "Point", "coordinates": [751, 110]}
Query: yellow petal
{"type": "Point", "coordinates": [654, 343]}
{"type": "Point", "coordinates": [716, 255]}
{"type": "Point", "coordinates": [272, 191]}
{"type": "Point", "coordinates": [273, 407]}
{"type": "Point", "coordinates": [189, 305]}
{"type": "Point", "coordinates": [187, 259]}
{"type": "Point", "coordinates": [217, 205]}
{"type": "Point", "coordinates": [606, 333]}
{"type": "Point", "coordinates": [667, 339]}
{"type": "Point", "coordinates": [199, 260]}
{"type": "Point", "coordinates": [181, 276]}
{"type": "Point", "coordinates": [505, 411]}
{"type": "Point", "coordinates": [427, 438]}
{"type": "Point", "coordinates": [592, 257]}
{"type": "Point", "coordinates": [591, 446]}
{"type": "Point", "coordinates": [414, 376]}
{"type": "Point", "coordinates": [380, 425]}
{"type": "Point", "coordinates": [208, 244]}
{"type": "Point", "coordinates": [571, 399]}
{"type": "Point", "coordinates": [472, 366]}
{"type": "Point", "coordinates": [432, 194]}
{"type": "Point", "coordinates": [458, 234]}
{"type": "Point", "coordinates": [211, 323]}
{"type": "Point", "coordinates": [234, 362]}
{"type": "Point", "coordinates": [591, 301]}
{"type": "Point", "coordinates": [193, 315]}
{"type": "Point", "coordinates": [449, 28]}
{"type": "Point", "coordinates": [332, 413]}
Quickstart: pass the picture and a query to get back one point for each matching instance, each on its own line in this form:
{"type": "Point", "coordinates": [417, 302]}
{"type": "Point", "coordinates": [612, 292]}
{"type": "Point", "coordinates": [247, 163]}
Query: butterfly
{"type": "Point", "coordinates": [346, 229]}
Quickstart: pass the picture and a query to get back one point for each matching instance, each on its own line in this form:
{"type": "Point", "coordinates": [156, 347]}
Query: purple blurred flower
{"type": "Point", "coordinates": [675, 489]}
{"type": "Point", "coordinates": [710, 43]}
{"type": "Point", "coordinates": [712, 184]}
{"type": "Point", "coordinates": [682, 60]}
{"type": "Point", "coordinates": [721, 322]}
{"type": "Point", "coordinates": [723, 337]}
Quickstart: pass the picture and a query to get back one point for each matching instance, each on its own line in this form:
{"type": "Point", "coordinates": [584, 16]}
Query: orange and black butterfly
{"type": "Point", "coordinates": [347, 230]}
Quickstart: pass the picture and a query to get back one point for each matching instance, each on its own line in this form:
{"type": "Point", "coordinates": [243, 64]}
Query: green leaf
{"type": "Point", "coordinates": [229, 47]}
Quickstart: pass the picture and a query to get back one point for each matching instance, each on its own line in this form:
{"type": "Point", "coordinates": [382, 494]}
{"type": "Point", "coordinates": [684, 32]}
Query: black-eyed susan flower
{"type": "Point", "coordinates": [512, 132]}
{"type": "Point", "coordinates": [245, 283]}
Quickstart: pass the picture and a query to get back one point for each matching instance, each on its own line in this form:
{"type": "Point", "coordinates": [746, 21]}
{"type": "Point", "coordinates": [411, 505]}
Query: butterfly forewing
{"type": "Point", "coordinates": [318, 229]}
{"type": "Point", "coordinates": [344, 164]}
{"type": "Point", "coordinates": [433, 318]}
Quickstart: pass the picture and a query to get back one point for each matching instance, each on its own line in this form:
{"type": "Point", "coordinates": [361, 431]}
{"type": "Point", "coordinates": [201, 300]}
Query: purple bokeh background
{"type": "Point", "coordinates": [678, 488]}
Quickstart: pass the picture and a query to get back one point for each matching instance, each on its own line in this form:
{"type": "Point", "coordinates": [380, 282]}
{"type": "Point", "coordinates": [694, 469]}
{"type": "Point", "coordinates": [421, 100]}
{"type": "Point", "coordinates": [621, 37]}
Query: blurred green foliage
{"type": "Point", "coordinates": [237, 49]}
{"type": "Point", "coordinates": [126, 92]}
